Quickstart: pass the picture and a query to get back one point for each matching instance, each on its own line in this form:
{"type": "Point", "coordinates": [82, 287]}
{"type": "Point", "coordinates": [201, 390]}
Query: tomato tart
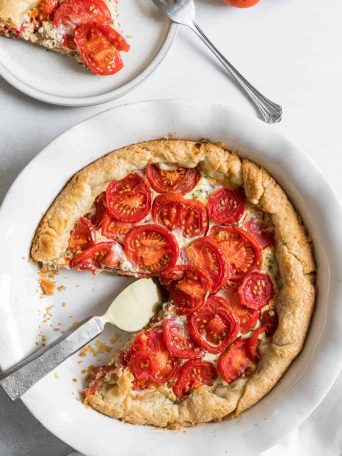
{"type": "Point", "coordinates": [86, 30]}
{"type": "Point", "coordinates": [231, 253]}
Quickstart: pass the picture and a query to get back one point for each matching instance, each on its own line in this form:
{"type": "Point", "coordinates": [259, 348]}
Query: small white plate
{"type": "Point", "coordinates": [54, 400]}
{"type": "Point", "coordinates": [56, 79]}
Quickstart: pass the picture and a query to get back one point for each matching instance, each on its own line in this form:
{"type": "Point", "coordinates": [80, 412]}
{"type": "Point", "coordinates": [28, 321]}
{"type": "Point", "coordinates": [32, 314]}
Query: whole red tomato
{"type": "Point", "coordinates": [242, 3]}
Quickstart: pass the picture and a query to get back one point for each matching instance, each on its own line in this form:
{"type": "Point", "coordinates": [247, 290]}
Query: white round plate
{"type": "Point", "coordinates": [55, 399]}
{"type": "Point", "coordinates": [56, 79]}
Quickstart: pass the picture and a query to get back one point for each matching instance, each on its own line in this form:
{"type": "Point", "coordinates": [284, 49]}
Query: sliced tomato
{"type": "Point", "coordinates": [242, 3]}
{"type": "Point", "coordinates": [253, 343]}
{"type": "Point", "coordinates": [82, 235]}
{"type": "Point", "coordinates": [270, 320]}
{"type": "Point", "coordinates": [98, 210]}
{"type": "Point", "coordinates": [176, 212]}
{"type": "Point", "coordinates": [269, 323]}
{"type": "Point", "coordinates": [73, 13]}
{"type": "Point", "coordinates": [113, 229]}
{"type": "Point", "coordinates": [193, 374]}
{"type": "Point", "coordinates": [48, 7]}
{"type": "Point", "coordinates": [235, 361]}
{"type": "Point", "coordinates": [179, 342]}
{"type": "Point", "coordinates": [256, 290]}
{"type": "Point", "coordinates": [141, 364]}
{"type": "Point", "coordinates": [152, 248]}
{"type": "Point", "coordinates": [247, 318]}
{"type": "Point", "coordinates": [179, 180]}
{"type": "Point", "coordinates": [129, 199]}
{"type": "Point", "coordinates": [105, 255]}
{"type": "Point", "coordinates": [188, 287]}
{"type": "Point", "coordinates": [149, 359]}
{"type": "Point", "coordinates": [206, 255]}
{"type": "Point", "coordinates": [213, 327]}
{"type": "Point", "coordinates": [99, 47]}
{"type": "Point", "coordinates": [239, 248]}
{"type": "Point", "coordinates": [259, 229]}
{"type": "Point", "coordinates": [227, 206]}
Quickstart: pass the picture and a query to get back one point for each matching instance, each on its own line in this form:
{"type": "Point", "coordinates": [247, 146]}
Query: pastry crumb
{"type": "Point", "coordinates": [97, 349]}
{"type": "Point", "coordinates": [115, 338]}
{"type": "Point", "coordinates": [61, 288]}
{"type": "Point", "coordinates": [64, 304]}
{"type": "Point", "coordinates": [46, 282]}
{"type": "Point", "coordinates": [47, 286]}
{"type": "Point", "coordinates": [74, 379]}
{"type": "Point", "coordinates": [55, 375]}
{"type": "Point", "coordinates": [47, 314]}
{"type": "Point", "coordinates": [101, 347]}
{"type": "Point", "coordinates": [41, 339]}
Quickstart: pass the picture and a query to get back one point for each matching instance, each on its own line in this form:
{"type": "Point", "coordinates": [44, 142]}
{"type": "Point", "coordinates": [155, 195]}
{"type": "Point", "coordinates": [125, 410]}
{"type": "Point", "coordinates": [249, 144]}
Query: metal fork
{"type": "Point", "coordinates": [183, 12]}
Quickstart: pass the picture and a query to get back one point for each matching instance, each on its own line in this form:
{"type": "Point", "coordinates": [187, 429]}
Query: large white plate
{"type": "Point", "coordinates": [57, 79]}
{"type": "Point", "coordinates": [53, 400]}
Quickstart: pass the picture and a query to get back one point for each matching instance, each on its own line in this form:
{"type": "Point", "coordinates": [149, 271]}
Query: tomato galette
{"type": "Point", "coordinates": [230, 251]}
{"type": "Point", "coordinates": [85, 30]}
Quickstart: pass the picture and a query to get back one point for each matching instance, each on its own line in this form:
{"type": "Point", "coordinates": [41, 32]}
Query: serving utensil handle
{"type": "Point", "coordinates": [269, 111]}
{"type": "Point", "coordinates": [19, 378]}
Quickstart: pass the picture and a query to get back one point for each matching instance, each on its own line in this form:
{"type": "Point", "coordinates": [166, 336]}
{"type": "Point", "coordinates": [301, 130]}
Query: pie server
{"type": "Point", "coordinates": [130, 311]}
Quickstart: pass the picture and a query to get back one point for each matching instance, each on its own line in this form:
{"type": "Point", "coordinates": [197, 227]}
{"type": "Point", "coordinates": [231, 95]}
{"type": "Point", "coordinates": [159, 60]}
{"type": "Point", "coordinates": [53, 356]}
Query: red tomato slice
{"type": "Point", "coordinates": [105, 255]}
{"type": "Point", "coordinates": [48, 7]}
{"type": "Point", "coordinates": [242, 3]}
{"type": "Point", "coordinates": [180, 180]}
{"type": "Point", "coordinates": [149, 359]}
{"type": "Point", "coordinates": [113, 229]}
{"type": "Point", "coordinates": [129, 199]}
{"type": "Point", "coordinates": [188, 287]}
{"type": "Point", "coordinates": [205, 254]}
{"type": "Point", "coordinates": [98, 210]}
{"type": "Point", "coordinates": [82, 235]}
{"type": "Point", "coordinates": [73, 13]}
{"type": "Point", "coordinates": [256, 290]}
{"type": "Point", "coordinates": [97, 45]}
{"type": "Point", "coordinates": [227, 206]}
{"type": "Point", "coordinates": [173, 211]}
{"type": "Point", "coordinates": [253, 343]}
{"type": "Point", "coordinates": [270, 320]}
{"type": "Point", "coordinates": [257, 227]}
{"type": "Point", "coordinates": [193, 374]}
{"type": "Point", "coordinates": [247, 318]}
{"type": "Point", "coordinates": [178, 341]}
{"type": "Point", "coordinates": [213, 327]}
{"type": "Point", "coordinates": [235, 361]}
{"type": "Point", "coordinates": [240, 249]}
{"type": "Point", "coordinates": [151, 247]}
{"type": "Point", "coordinates": [141, 364]}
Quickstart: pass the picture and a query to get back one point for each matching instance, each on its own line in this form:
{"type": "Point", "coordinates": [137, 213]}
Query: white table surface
{"type": "Point", "coordinates": [292, 51]}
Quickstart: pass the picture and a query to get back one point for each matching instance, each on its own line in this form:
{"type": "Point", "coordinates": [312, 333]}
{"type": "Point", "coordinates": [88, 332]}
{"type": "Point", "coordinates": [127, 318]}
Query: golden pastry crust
{"type": "Point", "coordinates": [294, 302]}
{"type": "Point", "coordinates": [12, 12]}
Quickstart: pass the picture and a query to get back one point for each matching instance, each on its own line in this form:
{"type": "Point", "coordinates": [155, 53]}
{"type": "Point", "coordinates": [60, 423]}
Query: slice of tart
{"type": "Point", "coordinates": [231, 253]}
{"type": "Point", "coordinates": [85, 30]}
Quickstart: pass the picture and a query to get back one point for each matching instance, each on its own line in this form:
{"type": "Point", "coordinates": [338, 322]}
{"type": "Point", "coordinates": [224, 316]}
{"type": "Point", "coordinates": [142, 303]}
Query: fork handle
{"type": "Point", "coordinates": [18, 379]}
{"type": "Point", "coordinates": [270, 112]}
